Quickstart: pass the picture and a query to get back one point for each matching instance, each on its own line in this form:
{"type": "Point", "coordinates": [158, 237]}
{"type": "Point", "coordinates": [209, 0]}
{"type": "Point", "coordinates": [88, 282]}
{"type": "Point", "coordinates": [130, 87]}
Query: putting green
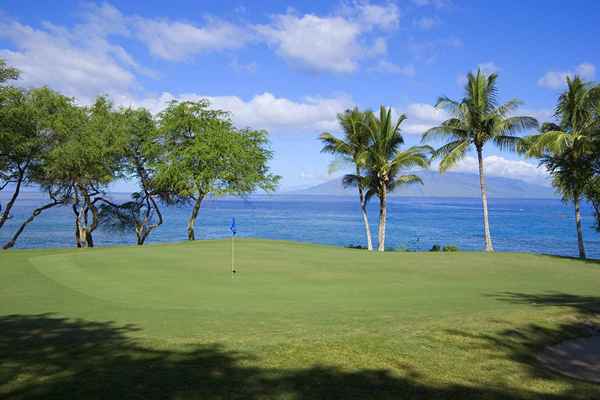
{"type": "Point", "coordinates": [291, 284]}
{"type": "Point", "coordinates": [447, 318]}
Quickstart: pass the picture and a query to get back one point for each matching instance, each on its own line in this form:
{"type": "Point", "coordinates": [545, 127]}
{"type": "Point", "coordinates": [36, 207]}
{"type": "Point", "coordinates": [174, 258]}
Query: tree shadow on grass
{"type": "Point", "coordinates": [47, 357]}
{"type": "Point", "coordinates": [523, 344]}
{"type": "Point", "coordinates": [592, 261]}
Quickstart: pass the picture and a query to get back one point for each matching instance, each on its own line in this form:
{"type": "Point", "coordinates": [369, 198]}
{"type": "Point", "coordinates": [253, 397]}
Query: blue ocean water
{"type": "Point", "coordinates": [543, 226]}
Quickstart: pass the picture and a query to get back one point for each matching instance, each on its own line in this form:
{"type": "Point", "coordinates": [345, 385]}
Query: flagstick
{"type": "Point", "coordinates": [232, 253]}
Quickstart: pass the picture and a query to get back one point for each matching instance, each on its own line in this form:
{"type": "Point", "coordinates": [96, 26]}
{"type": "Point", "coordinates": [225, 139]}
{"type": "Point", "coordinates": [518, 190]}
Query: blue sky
{"type": "Point", "coordinates": [289, 67]}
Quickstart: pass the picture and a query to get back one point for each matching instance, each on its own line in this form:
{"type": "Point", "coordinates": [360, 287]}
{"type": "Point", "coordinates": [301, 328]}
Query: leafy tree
{"type": "Point", "coordinates": [474, 121]}
{"type": "Point", "coordinates": [140, 155]}
{"type": "Point", "coordinates": [87, 158]}
{"type": "Point", "coordinates": [8, 73]}
{"type": "Point", "coordinates": [352, 149]}
{"type": "Point", "coordinates": [37, 115]}
{"type": "Point", "coordinates": [205, 154]}
{"type": "Point", "coordinates": [568, 149]}
{"type": "Point", "coordinates": [385, 162]}
{"type": "Point", "coordinates": [592, 193]}
{"type": "Point", "coordinates": [26, 121]}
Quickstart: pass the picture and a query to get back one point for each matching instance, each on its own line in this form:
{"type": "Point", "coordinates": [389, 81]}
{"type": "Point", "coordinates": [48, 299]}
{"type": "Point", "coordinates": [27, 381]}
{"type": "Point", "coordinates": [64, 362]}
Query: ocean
{"type": "Point", "coordinates": [540, 226]}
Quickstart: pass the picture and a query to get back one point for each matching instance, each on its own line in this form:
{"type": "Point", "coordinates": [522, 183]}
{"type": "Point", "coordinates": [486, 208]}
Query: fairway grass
{"type": "Point", "coordinates": [297, 321]}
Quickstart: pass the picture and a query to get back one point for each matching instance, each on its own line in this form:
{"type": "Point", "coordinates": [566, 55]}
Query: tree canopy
{"type": "Point", "coordinates": [206, 154]}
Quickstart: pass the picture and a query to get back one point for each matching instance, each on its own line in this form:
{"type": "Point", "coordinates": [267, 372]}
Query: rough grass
{"type": "Point", "coordinates": [297, 321]}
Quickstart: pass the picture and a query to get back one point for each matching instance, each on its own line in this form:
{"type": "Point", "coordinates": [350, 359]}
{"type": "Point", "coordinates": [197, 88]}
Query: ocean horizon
{"type": "Point", "coordinates": [414, 223]}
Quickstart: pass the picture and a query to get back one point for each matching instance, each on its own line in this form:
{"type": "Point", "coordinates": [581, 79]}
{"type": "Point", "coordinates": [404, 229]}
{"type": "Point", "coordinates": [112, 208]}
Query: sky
{"type": "Point", "coordinates": [290, 67]}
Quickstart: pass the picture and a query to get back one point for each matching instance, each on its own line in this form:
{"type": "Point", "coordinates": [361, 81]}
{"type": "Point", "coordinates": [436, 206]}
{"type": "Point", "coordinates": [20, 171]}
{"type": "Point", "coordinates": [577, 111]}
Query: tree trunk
{"type": "Point", "coordinates": [83, 234]}
{"type": "Point", "coordinates": [34, 214]}
{"type": "Point", "coordinates": [141, 233]}
{"type": "Point", "coordinates": [77, 241]}
{"type": "Point", "coordinates": [141, 239]}
{"type": "Point", "coordinates": [77, 238]}
{"type": "Point", "coordinates": [192, 220]}
{"type": "Point", "coordinates": [89, 239]}
{"type": "Point", "coordinates": [382, 219]}
{"type": "Point", "coordinates": [11, 202]}
{"type": "Point", "coordinates": [363, 210]}
{"type": "Point", "coordinates": [486, 222]}
{"type": "Point", "coordinates": [579, 229]}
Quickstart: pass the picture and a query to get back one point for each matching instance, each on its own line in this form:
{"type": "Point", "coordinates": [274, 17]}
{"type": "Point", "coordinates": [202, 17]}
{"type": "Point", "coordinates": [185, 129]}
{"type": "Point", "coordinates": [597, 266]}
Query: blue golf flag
{"type": "Point", "coordinates": [232, 227]}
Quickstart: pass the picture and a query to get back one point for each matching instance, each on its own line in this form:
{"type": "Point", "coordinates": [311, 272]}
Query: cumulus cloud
{"type": "Point", "coordinates": [385, 16]}
{"type": "Point", "coordinates": [331, 43]}
{"type": "Point", "coordinates": [557, 79]}
{"type": "Point", "coordinates": [500, 166]}
{"type": "Point", "coordinates": [174, 41]}
{"type": "Point", "coordinates": [266, 111]}
{"type": "Point", "coordinates": [80, 61]}
{"type": "Point", "coordinates": [421, 117]}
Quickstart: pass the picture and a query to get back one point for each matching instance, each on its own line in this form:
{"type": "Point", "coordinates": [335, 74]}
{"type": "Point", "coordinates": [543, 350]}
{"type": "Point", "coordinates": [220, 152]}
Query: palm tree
{"type": "Point", "coordinates": [567, 148]}
{"type": "Point", "coordinates": [351, 149]}
{"type": "Point", "coordinates": [385, 162]}
{"type": "Point", "coordinates": [474, 121]}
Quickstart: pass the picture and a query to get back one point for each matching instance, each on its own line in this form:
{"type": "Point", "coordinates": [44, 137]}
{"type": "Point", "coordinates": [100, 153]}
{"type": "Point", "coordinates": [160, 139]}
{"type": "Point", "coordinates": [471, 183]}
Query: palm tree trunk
{"type": "Point", "coordinates": [579, 229]}
{"type": "Point", "coordinates": [486, 222]}
{"type": "Point", "coordinates": [382, 219]}
{"type": "Point", "coordinates": [363, 210]}
{"type": "Point", "coordinates": [192, 220]}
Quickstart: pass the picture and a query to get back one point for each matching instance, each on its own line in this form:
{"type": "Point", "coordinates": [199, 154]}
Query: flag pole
{"type": "Point", "coordinates": [233, 232]}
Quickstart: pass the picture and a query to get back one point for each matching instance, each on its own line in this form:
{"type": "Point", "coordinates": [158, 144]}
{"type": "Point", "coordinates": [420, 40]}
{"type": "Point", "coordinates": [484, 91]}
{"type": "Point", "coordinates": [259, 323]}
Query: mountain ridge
{"type": "Point", "coordinates": [449, 184]}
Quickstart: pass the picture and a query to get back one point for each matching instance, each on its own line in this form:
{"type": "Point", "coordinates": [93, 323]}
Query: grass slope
{"type": "Point", "coordinates": [298, 321]}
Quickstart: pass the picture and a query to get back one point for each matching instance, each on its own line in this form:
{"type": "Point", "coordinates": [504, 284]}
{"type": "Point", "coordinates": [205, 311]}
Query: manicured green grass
{"type": "Point", "coordinates": [298, 321]}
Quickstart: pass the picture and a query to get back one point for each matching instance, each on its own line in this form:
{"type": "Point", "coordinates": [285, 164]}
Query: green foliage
{"type": "Point", "coordinates": [385, 160]}
{"type": "Point", "coordinates": [204, 153]}
{"type": "Point", "coordinates": [450, 248]}
{"type": "Point", "coordinates": [476, 120]}
{"type": "Point", "coordinates": [446, 248]}
{"type": "Point", "coordinates": [8, 73]}
{"type": "Point", "coordinates": [568, 149]}
{"type": "Point", "coordinates": [592, 193]}
{"type": "Point", "coordinates": [26, 137]}
{"type": "Point", "coordinates": [352, 148]}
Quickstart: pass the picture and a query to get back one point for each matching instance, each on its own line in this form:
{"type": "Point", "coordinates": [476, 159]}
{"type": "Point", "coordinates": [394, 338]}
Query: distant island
{"type": "Point", "coordinates": [451, 184]}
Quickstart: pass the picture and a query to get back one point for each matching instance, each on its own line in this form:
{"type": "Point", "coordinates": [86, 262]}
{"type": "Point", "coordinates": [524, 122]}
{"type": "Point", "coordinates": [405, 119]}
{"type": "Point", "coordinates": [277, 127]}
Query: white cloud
{"type": "Point", "coordinates": [421, 117]}
{"type": "Point", "coordinates": [391, 68]}
{"type": "Point", "coordinates": [82, 61]}
{"type": "Point", "coordinates": [385, 16]}
{"type": "Point", "coordinates": [79, 62]}
{"type": "Point", "coordinates": [266, 111]}
{"type": "Point", "coordinates": [317, 43]}
{"type": "Point", "coordinates": [557, 79]}
{"type": "Point", "coordinates": [331, 43]}
{"type": "Point", "coordinates": [500, 166]}
{"type": "Point", "coordinates": [172, 40]}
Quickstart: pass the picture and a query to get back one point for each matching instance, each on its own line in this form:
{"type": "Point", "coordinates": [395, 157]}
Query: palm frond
{"type": "Point", "coordinates": [451, 153]}
{"type": "Point", "coordinates": [511, 143]}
